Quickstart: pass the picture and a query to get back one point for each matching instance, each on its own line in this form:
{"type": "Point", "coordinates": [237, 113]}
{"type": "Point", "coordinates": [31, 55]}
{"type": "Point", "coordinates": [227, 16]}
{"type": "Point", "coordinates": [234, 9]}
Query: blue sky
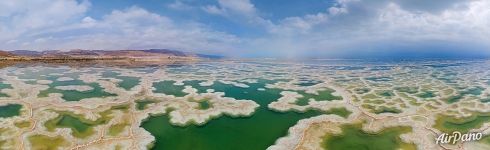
{"type": "Point", "coordinates": [253, 28]}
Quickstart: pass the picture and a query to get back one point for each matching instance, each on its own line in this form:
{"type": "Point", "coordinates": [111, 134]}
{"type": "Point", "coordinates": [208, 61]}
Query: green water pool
{"type": "Point", "coordinates": [323, 95]}
{"type": "Point", "coordinates": [127, 82]}
{"type": "Point", "coordinates": [42, 142]}
{"type": "Point", "coordinates": [80, 126]}
{"type": "Point", "coordinates": [474, 91]}
{"type": "Point", "coordinates": [141, 104]}
{"type": "Point", "coordinates": [354, 138]}
{"type": "Point", "coordinates": [10, 110]}
{"type": "Point", "coordinates": [251, 133]}
{"type": "Point", "coordinates": [448, 124]}
{"type": "Point", "coordinates": [167, 87]}
{"type": "Point", "coordinates": [72, 95]}
{"type": "Point", "coordinates": [4, 86]}
{"type": "Point", "coordinates": [256, 132]}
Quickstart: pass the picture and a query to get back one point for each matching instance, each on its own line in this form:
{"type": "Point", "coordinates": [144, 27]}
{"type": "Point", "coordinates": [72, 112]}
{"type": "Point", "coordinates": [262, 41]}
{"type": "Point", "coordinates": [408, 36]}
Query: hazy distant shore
{"type": "Point", "coordinates": [124, 63]}
{"type": "Point", "coordinates": [147, 55]}
{"type": "Point", "coordinates": [62, 59]}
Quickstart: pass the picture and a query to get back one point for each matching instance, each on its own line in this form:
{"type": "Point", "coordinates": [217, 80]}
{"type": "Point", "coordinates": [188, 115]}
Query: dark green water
{"type": "Point", "coordinates": [384, 109]}
{"type": "Point", "coordinates": [80, 126]}
{"type": "Point", "coordinates": [251, 133]}
{"type": "Point", "coordinates": [385, 93]}
{"type": "Point", "coordinates": [353, 138]}
{"type": "Point", "coordinates": [10, 110]}
{"type": "Point", "coordinates": [362, 90]}
{"type": "Point", "coordinates": [74, 123]}
{"type": "Point", "coordinates": [427, 94]}
{"type": "Point", "coordinates": [256, 132]}
{"type": "Point", "coordinates": [307, 82]}
{"type": "Point", "coordinates": [72, 95]}
{"type": "Point", "coordinates": [449, 124]}
{"type": "Point", "coordinates": [168, 88]}
{"type": "Point", "coordinates": [323, 95]}
{"type": "Point", "coordinates": [204, 105]}
{"type": "Point", "coordinates": [127, 82]}
{"type": "Point", "coordinates": [141, 104]}
{"type": "Point", "coordinates": [379, 79]}
{"type": "Point", "coordinates": [410, 90]}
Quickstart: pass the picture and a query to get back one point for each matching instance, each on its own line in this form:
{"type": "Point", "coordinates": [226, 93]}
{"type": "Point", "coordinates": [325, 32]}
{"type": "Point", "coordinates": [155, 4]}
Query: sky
{"type": "Point", "coordinates": [253, 28]}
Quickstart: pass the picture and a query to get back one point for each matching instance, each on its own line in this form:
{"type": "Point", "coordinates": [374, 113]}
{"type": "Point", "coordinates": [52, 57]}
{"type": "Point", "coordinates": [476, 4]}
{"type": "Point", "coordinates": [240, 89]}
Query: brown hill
{"type": "Point", "coordinates": [136, 55]}
{"type": "Point", "coordinates": [5, 54]}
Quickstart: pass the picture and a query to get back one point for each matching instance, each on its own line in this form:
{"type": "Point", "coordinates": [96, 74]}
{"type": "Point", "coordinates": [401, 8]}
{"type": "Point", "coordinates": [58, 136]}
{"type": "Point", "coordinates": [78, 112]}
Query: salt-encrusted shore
{"type": "Point", "coordinates": [80, 88]}
{"type": "Point", "coordinates": [378, 99]}
{"type": "Point", "coordinates": [64, 79]}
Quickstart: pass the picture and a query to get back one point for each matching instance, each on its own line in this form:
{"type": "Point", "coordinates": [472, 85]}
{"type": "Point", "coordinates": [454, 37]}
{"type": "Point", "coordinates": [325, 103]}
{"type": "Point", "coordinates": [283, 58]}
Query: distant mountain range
{"type": "Point", "coordinates": [137, 55]}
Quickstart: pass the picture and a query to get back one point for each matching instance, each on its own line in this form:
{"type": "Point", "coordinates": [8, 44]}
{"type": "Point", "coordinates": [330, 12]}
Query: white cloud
{"type": "Point", "coordinates": [450, 24]}
{"type": "Point", "coordinates": [238, 10]}
{"type": "Point", "coordinates": [235, 7]}
{"type": "Point", "coordinates": [243, 7]}
{"type": "Point", "coordinates": [295, 25]}
{"type": "Point", "coordinates": [179, 5]}
{"type": "Point", "coordinates": [348, 24]}
{"type": "Point", "coordinates": [88, 22]}
{"type": "Point", "coordinates": [354, 24]}
{"type": "Point", "coordinates": [23, 16]}
{"type": "Point", "coordinates": [127, 29]}
{"type": "Point", "coordinates": [212, 9]}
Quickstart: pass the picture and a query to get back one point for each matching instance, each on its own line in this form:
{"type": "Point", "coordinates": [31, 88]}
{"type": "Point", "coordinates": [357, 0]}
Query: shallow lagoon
{"type": "Point", "coordinates": [72, 95]}
{"type": "Point", "coordinates": [10, 110]}
{"type": "Point", "coordinates": [4, 86]}
{"type": "Point", "coordinates": [375, 90]}
{"type": "Point", "coordinates": [252, 133]}
{"type": "Point", "coordinates": [449, 124]}
{"type": "Point", "coordinates": [127, 82]}
{"type": "Point", "coordinates": [354, 138]}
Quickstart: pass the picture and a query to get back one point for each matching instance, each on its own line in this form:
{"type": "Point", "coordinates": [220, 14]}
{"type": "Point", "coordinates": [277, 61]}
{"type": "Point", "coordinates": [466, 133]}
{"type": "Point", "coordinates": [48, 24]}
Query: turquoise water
{"type": "Point", "coordinates": [127, 82]}
{"type": "Point", "coordinates": [51, 73]}
{"type": "Point", "coordinates": [168, 88]}
{"type": "Point", "coordinates": [4, 86]}
{"type": "Point", "coordinates": [379, 79]}
{"type": "Point", "coordinates": [475, 91]}
{"type": "Point", "coordinates": [323, 95]}
{"type": "Point", "coordinates": [427, 94]}
{"type": "Point", "coordinates": [72, 95]}
{"type": "Point", "coordinates": [43, 73]}
{"type": "Point", "coordinates": [264, 126]}
{"type": "Point", "coordinates": [354, 138]}
{"type": "Point", "coordinates": [256, 132]}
